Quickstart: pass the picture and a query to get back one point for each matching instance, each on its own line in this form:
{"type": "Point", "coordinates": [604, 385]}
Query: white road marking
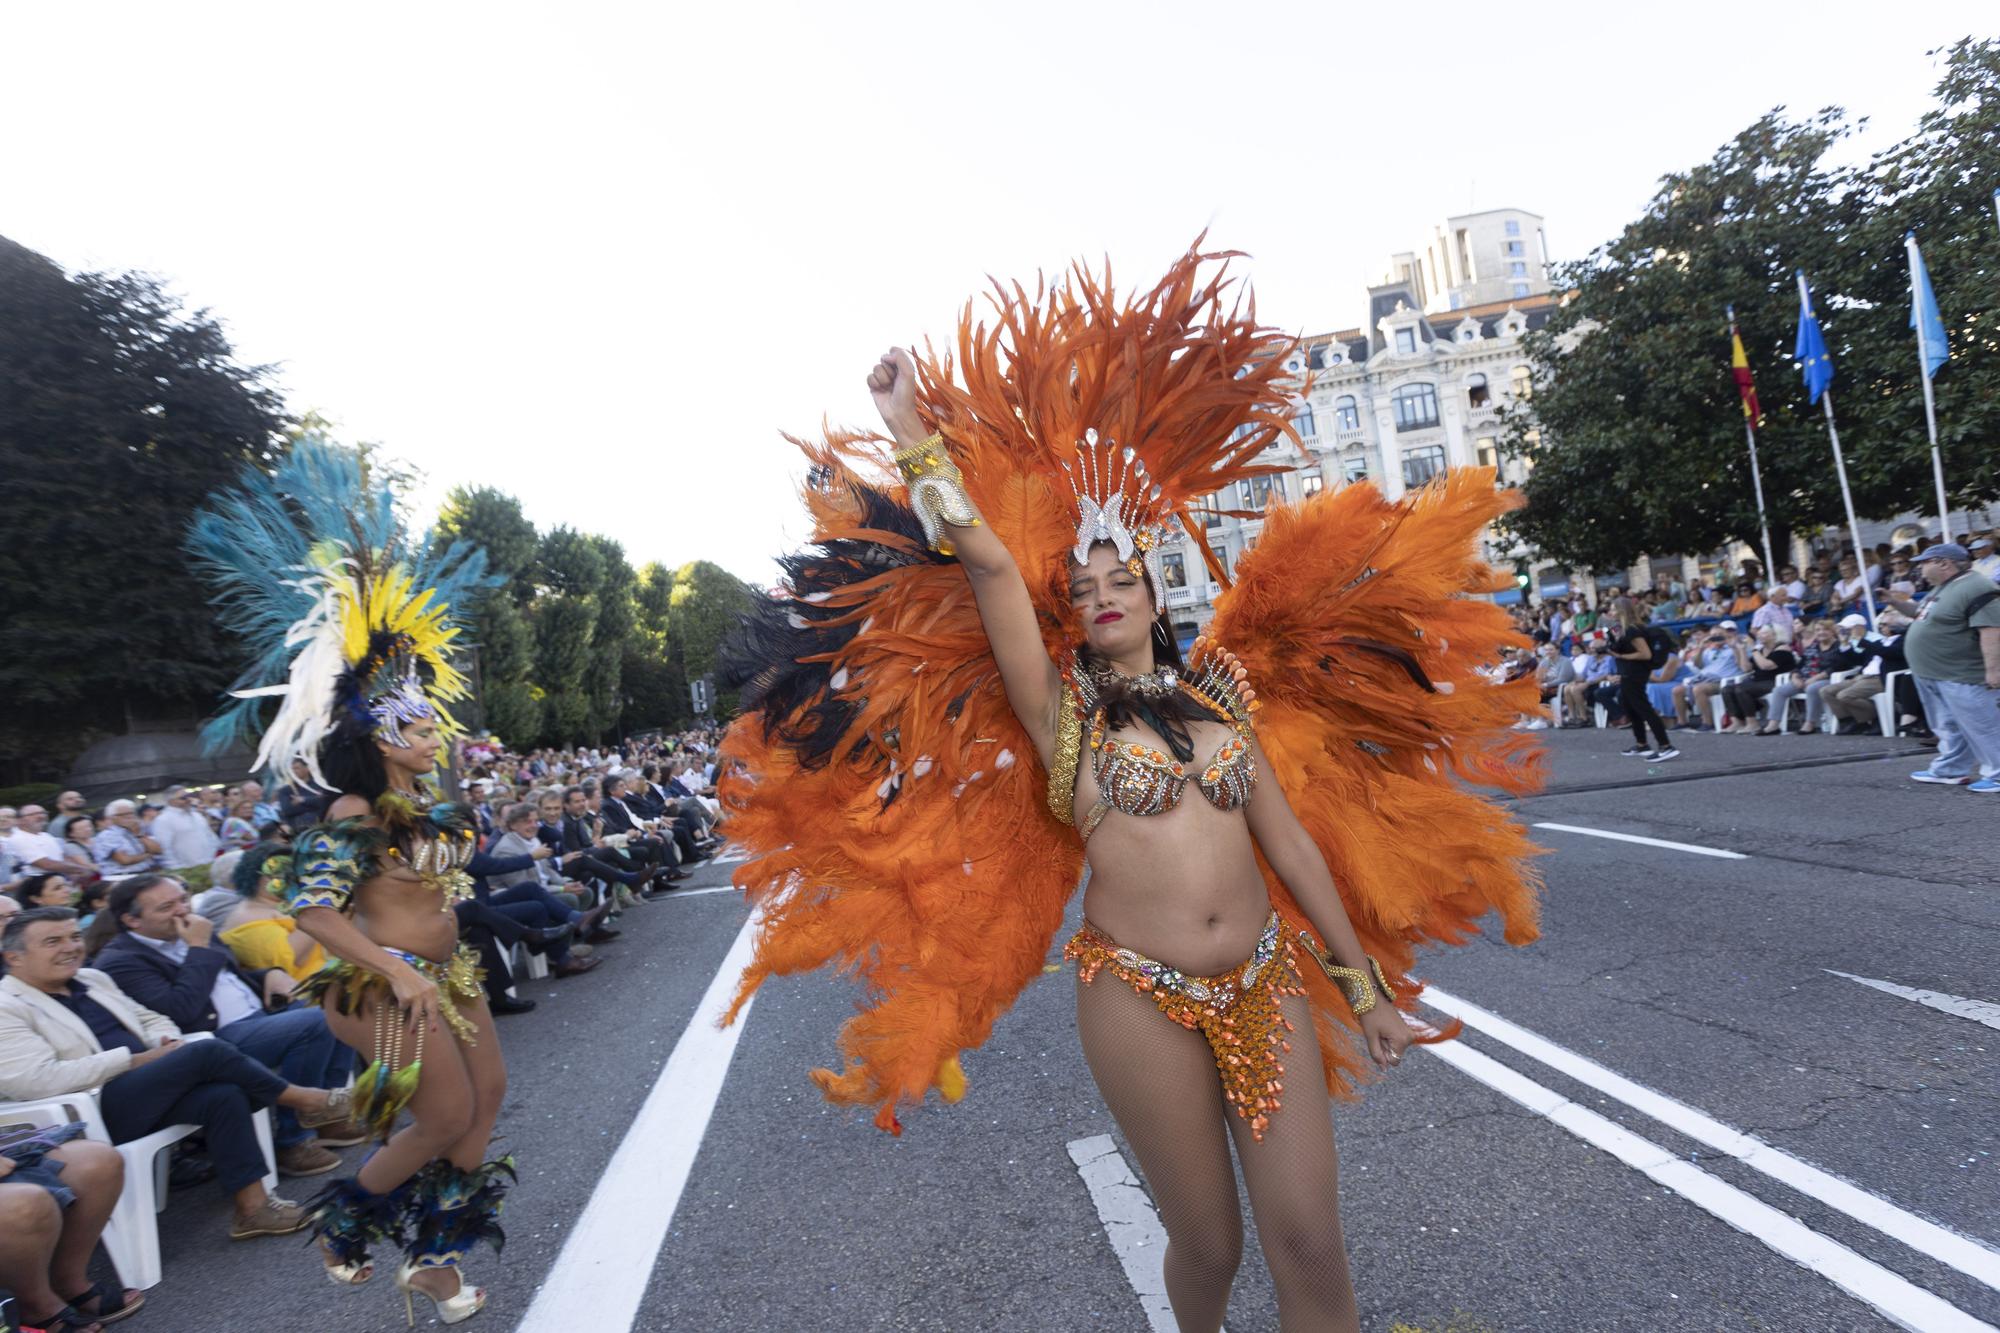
{"type": "Point", "coordinates": [1130, 1224]}
{"type": "Point", "coordinates": [696, 893]}
{"type": "Point", "coordinates": [1646, 842]}
{"type": "Point", "coordinates": [1896, 1298]}
{"type": "Point", "coordinates": [1979, 1011]}
{"type": "Point", "coordinates": [1971, 1257]}
{"type": "Point", "coordinates": [607, 1262]}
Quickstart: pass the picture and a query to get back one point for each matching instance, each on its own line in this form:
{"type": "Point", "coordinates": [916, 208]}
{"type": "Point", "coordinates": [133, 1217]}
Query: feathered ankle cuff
{"type": "Point", "coordinates": [347, 1219]}
{"type": "Point", "coordinates": [452, 1211]}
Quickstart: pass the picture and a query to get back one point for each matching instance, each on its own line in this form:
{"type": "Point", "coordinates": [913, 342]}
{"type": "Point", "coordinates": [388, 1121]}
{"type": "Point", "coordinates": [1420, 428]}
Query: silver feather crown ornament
{"type": "Point", "coordinates": [1117, 502]}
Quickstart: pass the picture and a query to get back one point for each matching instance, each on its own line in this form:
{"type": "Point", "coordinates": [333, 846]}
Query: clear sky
{"type": "Point", "coordinates": [600, 255]}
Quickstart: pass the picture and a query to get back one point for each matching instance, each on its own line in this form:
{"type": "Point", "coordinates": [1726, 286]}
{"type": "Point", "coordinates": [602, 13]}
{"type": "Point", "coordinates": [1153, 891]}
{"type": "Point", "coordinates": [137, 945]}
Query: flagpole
{"type": "Point", "coordinates": [1847, 498]}
{"type": "Point", "coordinates": [1930, 396]}
{"type": "Point", "coordinates": [1757, 480]}
{"type": "Point", "coordinates": [1840, 467]}
{"type": "Point", "coordinates": [1739, 364]}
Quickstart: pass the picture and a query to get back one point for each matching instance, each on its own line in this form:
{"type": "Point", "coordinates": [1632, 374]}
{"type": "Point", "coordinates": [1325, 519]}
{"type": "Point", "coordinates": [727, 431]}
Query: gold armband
{"type": "Point", "coordinates": [937, 492]}
{"type": "Point", "coordinates": [1354, 983]}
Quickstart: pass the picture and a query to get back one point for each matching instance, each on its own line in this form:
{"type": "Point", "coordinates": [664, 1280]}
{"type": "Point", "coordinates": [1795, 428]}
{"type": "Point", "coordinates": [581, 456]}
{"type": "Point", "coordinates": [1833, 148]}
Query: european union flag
{"type": "Point", "coordinates": [1813, 358]}
{"type": "Point", "coordinates": [1924, 317]}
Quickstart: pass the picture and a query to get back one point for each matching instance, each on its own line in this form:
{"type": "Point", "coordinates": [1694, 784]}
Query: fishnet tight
{"type": "Point", "coordinates": [1160, 1082]}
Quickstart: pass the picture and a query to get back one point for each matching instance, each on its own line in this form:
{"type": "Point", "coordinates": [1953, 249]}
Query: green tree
{"type": "Point", "coordinates": [569, 568]}
{"type": "Point", "coordinates": [617, 624]}
{"type": "Point", "coordinates": [492, 520]}
{"type": "Point", "coordinates": [1634, 432]}
{"type": "Point", "coordinates": [501, 633]}
{"type": "Point", "coordinates": [1634, 435]}
{"type": "Point", "coordinates": [563, 626]}
{"type": "Point", "coordinates": [707, 602]}
{"type": "Point", "coordinates": [656, 693]}
{"type": "Point", "coordinates": [1939, 183]}
{"type": "Point", "coordinates": [119, 412]}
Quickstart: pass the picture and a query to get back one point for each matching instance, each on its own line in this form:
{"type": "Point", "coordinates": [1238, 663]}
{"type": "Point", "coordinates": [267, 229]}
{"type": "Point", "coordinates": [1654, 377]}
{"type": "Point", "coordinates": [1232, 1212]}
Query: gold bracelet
{"type": "Point", "coordinates": [937, 492]}
{"type": "Point", "coordinates": [1354, 983]}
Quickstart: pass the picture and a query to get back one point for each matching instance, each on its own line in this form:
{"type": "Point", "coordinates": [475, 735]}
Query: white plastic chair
{"type": "Point", "coordinates": [1885, 705]}
{"type": "Point", "coordinates": [132, 1235]}
{"type": "Point", "coordinates": [523, 962]}
{"type": "Point", "coordinates": [1828, 723]}
{"type": "Point", "coordinates": [1716, 711]}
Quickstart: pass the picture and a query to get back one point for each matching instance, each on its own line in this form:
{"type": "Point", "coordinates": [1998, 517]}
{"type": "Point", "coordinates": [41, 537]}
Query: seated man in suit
{"type": "Point", "coordinates": [694, 792]}
{"type": "Point", "coordinates": [580, 854]}
{"type": "Point", "coordinates": [165, 957]}
{"type": "Point", "coordinates": [544, 923]}
{"type": "Point", "coordinates": [619, 818]}
{"type": "Point", "coordinates": [510, 883]}
{"type": "Point", "coordinates": [67, 1028]}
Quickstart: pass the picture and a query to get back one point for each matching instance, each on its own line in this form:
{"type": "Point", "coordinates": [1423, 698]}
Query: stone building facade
{"type": "Point", "coordinates": [1416, 388]}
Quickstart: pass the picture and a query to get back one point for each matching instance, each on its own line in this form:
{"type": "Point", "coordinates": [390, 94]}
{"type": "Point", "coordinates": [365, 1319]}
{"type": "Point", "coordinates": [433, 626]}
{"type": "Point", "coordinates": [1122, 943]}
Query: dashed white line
{"type": "Point", "coordinates": [1130, 1224]}
{"type": "Point", "coordinates": [1646, 842]}
{"type": "Point", "coordinates": [1979, 1011]}
{"type": "Point", "coordinates": [1895, 1297]}
{"type": "Point", "coordinates": [607, 1262]}
{"type": "Point", "coordinates": [1971, 1257]}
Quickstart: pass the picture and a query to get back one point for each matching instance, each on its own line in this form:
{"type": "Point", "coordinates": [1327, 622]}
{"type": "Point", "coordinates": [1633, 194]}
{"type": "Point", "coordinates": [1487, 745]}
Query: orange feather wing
{"type": "Point", "coordinates": [1352, 617]}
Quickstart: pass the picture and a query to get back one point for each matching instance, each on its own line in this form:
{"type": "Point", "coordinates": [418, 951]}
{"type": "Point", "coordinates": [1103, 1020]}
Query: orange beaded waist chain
{"type": "Point", "coordinates": [1237, 1011]}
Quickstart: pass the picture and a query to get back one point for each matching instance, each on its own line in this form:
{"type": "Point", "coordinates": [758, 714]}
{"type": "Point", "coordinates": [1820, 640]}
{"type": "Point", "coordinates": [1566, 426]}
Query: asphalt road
{"type": "Point", "coordinates": [1709, 980]}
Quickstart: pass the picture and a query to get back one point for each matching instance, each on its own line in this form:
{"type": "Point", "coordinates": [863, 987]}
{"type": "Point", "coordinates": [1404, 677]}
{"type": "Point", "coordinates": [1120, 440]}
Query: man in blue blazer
{"type": "Point", "coordinates": [165, 957]}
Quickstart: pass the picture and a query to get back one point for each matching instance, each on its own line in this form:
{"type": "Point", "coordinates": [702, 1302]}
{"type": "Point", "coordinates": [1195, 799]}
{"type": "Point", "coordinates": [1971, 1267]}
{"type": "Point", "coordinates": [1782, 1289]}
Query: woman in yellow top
{"type": "Point", "coordinates": [258, 931]}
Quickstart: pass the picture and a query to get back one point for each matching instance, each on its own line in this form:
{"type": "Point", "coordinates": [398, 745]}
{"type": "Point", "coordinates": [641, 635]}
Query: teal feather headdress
{"type": "Point", "coordinates": [316, 575]}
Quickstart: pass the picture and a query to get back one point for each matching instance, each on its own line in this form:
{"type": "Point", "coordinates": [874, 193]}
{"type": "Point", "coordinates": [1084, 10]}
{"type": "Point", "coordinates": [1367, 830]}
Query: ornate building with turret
{"type": "Point", "coordinates": [1415, 388]}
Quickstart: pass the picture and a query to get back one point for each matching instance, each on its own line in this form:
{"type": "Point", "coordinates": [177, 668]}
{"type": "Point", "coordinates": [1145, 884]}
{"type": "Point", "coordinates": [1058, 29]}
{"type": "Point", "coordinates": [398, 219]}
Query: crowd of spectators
{"type": "Point", "coordinates": [146, 957]}
{"type": "Point", "coordinates": [1736, 657]}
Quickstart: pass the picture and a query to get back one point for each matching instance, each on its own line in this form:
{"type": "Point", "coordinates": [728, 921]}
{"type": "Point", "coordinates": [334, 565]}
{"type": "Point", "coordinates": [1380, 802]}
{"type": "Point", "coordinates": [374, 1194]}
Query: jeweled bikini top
{"type": "Point", "coordinates": [434, 839]}
{"type": "Point", "coordinates": [1139, 779]}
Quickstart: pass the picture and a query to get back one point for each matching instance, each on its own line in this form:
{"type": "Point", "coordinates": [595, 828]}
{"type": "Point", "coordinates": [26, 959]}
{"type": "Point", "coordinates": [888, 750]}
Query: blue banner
{"type": "Point", "coordinates": [1924, 316]}
{"type": "Point", "coordinates": [1815, 362]}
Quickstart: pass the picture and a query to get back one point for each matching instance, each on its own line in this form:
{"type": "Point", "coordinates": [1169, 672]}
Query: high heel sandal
{"type": "Point", "coordinates": [456, 1308]}
{"type": "Point", "coordinates": [347, 1275]}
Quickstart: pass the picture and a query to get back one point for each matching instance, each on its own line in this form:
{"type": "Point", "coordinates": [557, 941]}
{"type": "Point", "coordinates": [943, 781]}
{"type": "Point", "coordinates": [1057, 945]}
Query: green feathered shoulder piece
{"type": "Point", "coordinates": [330, 861]}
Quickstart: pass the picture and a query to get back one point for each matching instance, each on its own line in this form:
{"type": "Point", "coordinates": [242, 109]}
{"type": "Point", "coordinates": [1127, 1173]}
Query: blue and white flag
{"type": "Point", "coordinates": [1924, 317]}
{"type": "Point", "coordinates": [1813, 358]}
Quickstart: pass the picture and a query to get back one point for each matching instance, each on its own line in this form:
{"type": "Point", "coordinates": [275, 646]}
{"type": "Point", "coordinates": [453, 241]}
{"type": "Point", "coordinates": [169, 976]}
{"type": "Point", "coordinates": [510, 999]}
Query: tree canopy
{"type": "Point", "coordinates": [1634, 434]}
{"type": "Point", "coordinates": [119, 412]}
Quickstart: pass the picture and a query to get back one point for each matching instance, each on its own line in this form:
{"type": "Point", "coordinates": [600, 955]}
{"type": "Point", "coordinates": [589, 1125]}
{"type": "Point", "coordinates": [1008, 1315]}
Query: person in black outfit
{"type": "Point", "coordinates": [1769, 659]}
{"type": "Point", "coordinates": [1639, 648]}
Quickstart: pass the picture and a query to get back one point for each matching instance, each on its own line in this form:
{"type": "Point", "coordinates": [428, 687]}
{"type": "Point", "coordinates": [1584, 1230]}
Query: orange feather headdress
{"type": "Point", "coordinates": [893, 807]}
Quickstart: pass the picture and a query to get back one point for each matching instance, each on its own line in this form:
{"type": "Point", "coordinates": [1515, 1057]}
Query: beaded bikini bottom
{"type": "Point", "coordinates": [1237, 1012]}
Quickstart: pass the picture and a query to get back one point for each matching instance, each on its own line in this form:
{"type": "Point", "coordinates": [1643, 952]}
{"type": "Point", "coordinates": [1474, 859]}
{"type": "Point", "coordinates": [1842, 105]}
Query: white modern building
{"type": "Point", "coordinates": [1476, 259]}
{"type": "Point", "coordinates": [1415, 389]}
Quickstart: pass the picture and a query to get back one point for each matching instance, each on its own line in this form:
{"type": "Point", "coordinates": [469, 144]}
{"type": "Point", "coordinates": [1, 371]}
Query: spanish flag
{"type": "Point", "coordinates": [1739, 366]}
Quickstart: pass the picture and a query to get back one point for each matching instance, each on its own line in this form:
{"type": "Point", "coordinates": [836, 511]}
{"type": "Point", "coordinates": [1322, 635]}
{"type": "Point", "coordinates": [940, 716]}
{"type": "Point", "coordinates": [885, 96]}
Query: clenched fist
{"type": "Point", "coordinates": [893, 383]}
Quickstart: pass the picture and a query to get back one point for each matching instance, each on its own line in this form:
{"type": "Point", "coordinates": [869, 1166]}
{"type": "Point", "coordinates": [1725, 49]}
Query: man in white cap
{"type": "Point", "coordinates": [1954, 652]}
{"type": "Point", "coordinates": [1879, 655]}
{"type": "Point", "coordinates": [1717, 656]}
{"type": "Point", "coordinates": [183, 832]}
{"type": "Point", "coordinates": [1985, 559]}
{"type": "Point", "coordinates": [121, 847]}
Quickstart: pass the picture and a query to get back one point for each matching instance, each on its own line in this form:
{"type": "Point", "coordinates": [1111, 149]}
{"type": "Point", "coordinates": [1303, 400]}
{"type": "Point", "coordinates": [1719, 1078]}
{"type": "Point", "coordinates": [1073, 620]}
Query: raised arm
{"type": "Point", "coordinates": [1034, 687]}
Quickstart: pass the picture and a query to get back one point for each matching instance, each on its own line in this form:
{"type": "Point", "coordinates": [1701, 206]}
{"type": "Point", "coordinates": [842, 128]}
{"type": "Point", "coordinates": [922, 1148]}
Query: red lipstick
{"type": "Point", "coordinates": [1110, 616]}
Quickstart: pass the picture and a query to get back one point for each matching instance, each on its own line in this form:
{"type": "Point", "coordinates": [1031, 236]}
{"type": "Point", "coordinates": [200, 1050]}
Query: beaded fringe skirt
{"type": "Point", "coordinates": [1237, 1012]}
